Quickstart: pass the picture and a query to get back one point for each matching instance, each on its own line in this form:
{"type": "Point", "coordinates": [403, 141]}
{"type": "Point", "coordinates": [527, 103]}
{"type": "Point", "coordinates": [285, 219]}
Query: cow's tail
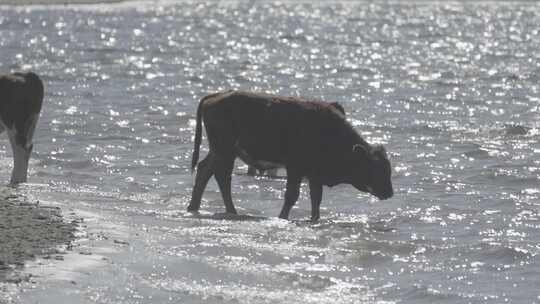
{"type": "Point", "coordinates": [198, 128]}
{"type": "Point", "coordinates": [198, 137]}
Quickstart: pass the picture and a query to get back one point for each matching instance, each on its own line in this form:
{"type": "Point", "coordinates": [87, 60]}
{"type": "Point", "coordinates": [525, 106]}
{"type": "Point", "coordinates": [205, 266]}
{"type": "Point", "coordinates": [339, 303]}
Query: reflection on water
{"type": "Point", "coordinates": [450, 89]}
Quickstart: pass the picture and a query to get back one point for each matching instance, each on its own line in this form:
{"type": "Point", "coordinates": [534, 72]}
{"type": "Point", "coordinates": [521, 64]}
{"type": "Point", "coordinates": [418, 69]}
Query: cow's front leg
{"type": "Point", "coordinates": [222, 172]}
{"type": "Point", "coordinates": [315, 192]}
{"type": "Point", "coordinates": [292, 192]}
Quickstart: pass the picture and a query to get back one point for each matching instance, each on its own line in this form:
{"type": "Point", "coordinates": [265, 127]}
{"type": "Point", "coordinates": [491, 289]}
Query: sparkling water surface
{"type": "Point", "coordinates": [450, 89]}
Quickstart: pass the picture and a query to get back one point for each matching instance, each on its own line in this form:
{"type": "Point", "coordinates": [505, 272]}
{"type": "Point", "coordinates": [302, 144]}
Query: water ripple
{"type": "Point", "coordinates": [449, 88]}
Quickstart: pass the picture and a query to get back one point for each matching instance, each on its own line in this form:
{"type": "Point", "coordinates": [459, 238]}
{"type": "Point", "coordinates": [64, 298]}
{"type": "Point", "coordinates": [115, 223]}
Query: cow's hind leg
{"type": "Point", "coordinates": [224, 145]}
{"type": "Point", "coordinates": [222, 171]}
{"type": "Point", "coordinates": [205, 170]}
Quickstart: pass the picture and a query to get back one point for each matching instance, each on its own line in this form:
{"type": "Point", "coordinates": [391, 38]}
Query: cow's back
{"type": "Point", "coordinates": [282, 129]}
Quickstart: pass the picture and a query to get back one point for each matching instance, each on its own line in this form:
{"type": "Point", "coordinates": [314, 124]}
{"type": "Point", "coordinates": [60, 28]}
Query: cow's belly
{"type": "Point", "coordinates": [263, 156]}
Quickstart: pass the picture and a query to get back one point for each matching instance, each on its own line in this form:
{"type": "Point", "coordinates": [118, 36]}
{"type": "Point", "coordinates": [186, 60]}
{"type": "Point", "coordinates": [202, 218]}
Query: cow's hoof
{"type": "Point", "coordinates": [191, 208]}
{"type": "Point", "coordinates": [232, 211]}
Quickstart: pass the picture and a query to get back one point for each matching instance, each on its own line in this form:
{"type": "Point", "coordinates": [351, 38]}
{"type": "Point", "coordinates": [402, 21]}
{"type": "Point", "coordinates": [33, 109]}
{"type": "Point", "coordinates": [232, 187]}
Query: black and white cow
{"type": "Point", "coordinates": [21, 96]}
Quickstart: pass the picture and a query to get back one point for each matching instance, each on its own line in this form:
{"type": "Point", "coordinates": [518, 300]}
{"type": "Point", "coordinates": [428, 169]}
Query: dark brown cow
{"type": "Point", "coordinates": [21, 96]}
{"type": "Point", "coordinates": [310, 139]}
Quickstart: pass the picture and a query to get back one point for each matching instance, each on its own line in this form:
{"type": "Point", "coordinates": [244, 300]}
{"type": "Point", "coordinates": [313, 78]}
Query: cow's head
{"type": "Point", "coordinates": [375, 176]}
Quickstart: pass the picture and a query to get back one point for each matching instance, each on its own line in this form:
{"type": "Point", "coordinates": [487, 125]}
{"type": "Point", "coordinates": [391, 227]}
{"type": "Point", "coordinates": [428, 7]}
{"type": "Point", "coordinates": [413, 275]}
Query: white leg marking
{"type": "Point", "coordinates": [21, 155]}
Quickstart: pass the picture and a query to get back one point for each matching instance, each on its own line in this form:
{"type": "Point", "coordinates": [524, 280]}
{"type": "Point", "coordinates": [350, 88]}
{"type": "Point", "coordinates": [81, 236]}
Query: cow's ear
{"type": "Point", "coordinates": [338, 107]}
{"type": "Point", "coordinates": [359, 149]}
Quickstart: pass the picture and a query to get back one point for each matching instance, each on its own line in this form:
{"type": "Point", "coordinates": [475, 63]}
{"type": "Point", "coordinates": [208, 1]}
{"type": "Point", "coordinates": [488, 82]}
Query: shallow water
{"type": "Point", "coordinates": [451, 90]}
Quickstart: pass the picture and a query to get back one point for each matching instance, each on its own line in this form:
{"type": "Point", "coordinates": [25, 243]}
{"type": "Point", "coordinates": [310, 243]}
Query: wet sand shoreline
{"type": "Point", "coordinates": [30, 231]}
{"type": "Point", "coordinates": [47, 249]}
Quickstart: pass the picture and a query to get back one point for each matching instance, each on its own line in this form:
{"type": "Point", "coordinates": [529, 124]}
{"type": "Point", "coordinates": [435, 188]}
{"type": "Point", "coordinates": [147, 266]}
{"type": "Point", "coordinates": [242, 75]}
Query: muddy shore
{"type": "Point", "coordinates": [29, 230]}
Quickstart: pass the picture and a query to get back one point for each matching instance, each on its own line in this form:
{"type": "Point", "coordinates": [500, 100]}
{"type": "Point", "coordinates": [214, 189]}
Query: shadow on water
{"type": "Point", "coordinates": [225, 216]}
{"type": "Point", "coordinates": [28, 230]}
{"type": "Point", "coordinates": [323, 224]}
